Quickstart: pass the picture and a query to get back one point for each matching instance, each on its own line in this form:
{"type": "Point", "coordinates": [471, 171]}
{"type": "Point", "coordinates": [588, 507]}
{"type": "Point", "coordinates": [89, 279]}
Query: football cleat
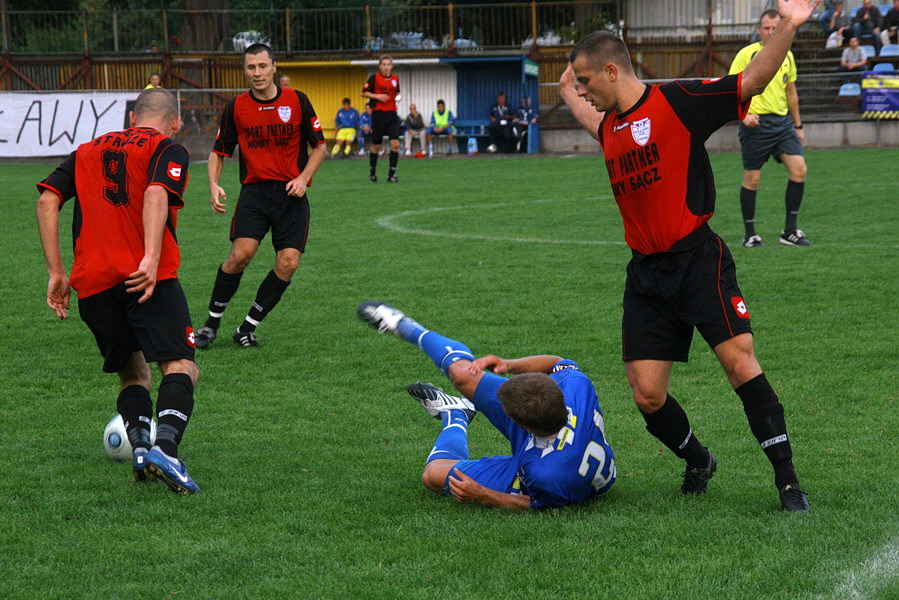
{"type": "Point", "coordinates": [203, 337]}
{"type": "Point", "coordinates": [794, 238]}
{"type": "Point", "coordinates": [245, 339]}
{"type": "Point", "coordinates": [139, 463]}
{"type": "Point", "coordinates": [373, 178]}
{"type": "Point", "coordinates": [793, 499]}
{"type": "Point", "coordinates": [382, 317]}
{"type": "Point", "coordinates": [170, 470]}
{"type": "Point", "coordinates": [435, 401]}
{"type": "Point", "coordinates": [392, 179]}
{"type": "Point", "coordinates": [752, 241]}
{"type": "Point", "coordinates": [696, 480]}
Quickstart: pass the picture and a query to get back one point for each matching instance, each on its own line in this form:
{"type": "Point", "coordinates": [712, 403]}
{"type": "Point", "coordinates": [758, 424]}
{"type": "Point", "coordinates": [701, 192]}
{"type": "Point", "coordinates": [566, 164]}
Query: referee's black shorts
{"type": "Point", "coordinates": [160, 327]}
{"type": "Point", "coordinates": [774, 135]}
{"type": "Point", "coordinates": [266, 206]}
{"type": "Point", "coordinates": [385, 123]}
{"type": "Point", "coordinates": [667, 294]}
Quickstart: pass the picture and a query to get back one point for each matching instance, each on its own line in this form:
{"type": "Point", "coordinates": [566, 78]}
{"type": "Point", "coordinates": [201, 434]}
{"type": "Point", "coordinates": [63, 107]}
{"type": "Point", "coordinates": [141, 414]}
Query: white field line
{"type": "Point", "coordinates": [869, 577]}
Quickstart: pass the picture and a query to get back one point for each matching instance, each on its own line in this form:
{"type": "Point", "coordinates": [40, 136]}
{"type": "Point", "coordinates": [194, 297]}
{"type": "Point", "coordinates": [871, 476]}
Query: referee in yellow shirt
{"type": "Point", "coordinates": [772, 128]}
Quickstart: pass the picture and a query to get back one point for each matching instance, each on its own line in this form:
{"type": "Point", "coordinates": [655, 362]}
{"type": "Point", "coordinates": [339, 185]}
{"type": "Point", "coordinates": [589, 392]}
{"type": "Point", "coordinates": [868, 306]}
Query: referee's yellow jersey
{"type": "Point", "coordinates": [774, 99]}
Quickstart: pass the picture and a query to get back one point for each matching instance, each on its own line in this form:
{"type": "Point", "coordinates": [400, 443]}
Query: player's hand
{"type": "Point", "coordinates": [751, 120]}
{"type": "Point", "coordinates": [568, 82]}
{"type": "Point", "coordinates": [143, 280]}
{"type": "Point", "coordinates": [801, 135]}
{"type": "Point", "coordinates": [490, 362]}
{"type": "Point", "coordinates": [382, 97]}
{"type": "Point", "coordinates": [58, 294]}
{"type": "Point", "coordinates": [296, 187]}
{"type": "Point", "coordinates": [217, 198]}
{"type": "Point", "coordinates": [797, 12]}
{"type": "Point", "coordinates": [464, 488]}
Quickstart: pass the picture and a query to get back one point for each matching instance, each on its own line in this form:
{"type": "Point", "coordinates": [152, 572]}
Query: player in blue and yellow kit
{"type": "Point", "coordinates": [549, 412]}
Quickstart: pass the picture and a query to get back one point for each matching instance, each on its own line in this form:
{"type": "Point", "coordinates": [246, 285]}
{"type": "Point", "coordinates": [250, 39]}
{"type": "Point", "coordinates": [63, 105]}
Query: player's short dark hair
{"type": "Point", "coordinates": [604, 47]}
{"type": "Point", "coordinates": [441, 102]}
{"type": "Point", "coordinates": [259, 48]}
{"type": "Point", "coordinates": [346, 101]}
{"type": "Point", "coordinates": [770, 13]}
{"type": "Point", "coordinates": [534, 401]}
{"type": "Point", "coordinates": [156, 101]}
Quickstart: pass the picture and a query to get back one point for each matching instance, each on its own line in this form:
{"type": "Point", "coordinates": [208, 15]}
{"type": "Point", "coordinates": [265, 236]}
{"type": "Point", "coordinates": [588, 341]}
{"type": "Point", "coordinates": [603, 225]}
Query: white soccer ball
{"type": "Point", "coordinates": [491, 148]}
{"type": "Point", "coordinates": [115, 439]}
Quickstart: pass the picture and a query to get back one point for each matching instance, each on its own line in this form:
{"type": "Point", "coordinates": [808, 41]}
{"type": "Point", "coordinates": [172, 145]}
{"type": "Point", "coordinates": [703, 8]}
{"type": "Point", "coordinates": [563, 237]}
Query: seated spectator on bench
{"type": "Point", "coordinates": [525, 116]}
{"type": "Point", "coordinates": [364, 131]}
{"type": "Point", "coordinates": [854, 57]}
{"type": "Point", "coordinates": [415, 127]}
{"type": "Point", "coordinates": [839, 27]}
{"type": "Point", "coordinates": [501, 123]}
{"type": "Point", "coordinates": [867, 22]}
{"type": "Point", "coordinates": [347, 122]}
{"type": "Point", "coordinates": [889, 26]}
{"type": "Point", "coordinates": [442, 121]}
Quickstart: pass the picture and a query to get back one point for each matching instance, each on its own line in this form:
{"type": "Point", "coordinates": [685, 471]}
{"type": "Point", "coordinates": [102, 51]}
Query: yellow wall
{"type": "Point", "coordinates": [327, 84]}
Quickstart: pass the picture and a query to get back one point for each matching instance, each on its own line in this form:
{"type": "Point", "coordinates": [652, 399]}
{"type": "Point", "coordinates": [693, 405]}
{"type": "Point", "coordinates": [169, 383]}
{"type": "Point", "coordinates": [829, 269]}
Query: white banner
{"type": "Point", "coordinates": [55, 124]}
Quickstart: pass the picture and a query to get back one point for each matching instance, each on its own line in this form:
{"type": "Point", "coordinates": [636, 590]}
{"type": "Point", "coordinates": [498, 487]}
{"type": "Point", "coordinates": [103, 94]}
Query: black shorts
{"type": "Point", "coordinates": [266, 206]}
{"type": "Point", "coordinates": [160, 327]}
{"type": "Point", "coordinates": [775, 135]}
{"type": "Point", "coordinates": [385, 123]}
{"type": "Point", "coordinates": [667, 294]}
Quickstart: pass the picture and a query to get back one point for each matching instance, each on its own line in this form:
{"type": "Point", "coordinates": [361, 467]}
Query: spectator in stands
{"type": "Point", "coordinates": [284, 81]}
{"type": "Point", "coordinates": [155, 81]}
{"type": "Point", "coordinates": [501, 123]}
{"type": "Point", "coordinates": [889, 26]}
{"type": "Point", "coordinates": [364, 132]}
{"type": "Point", "coordinates": [347, 123]}
{"type": "Point", "coordinates": [442, 121]}
{"type": "Point", "coordinates": [415, 127]}
{"type": "Point", "coordinates": [839, 27]}
{"type": "Point", "coordinates": [525, 116]}
{"type": "Point", "coordinates": [826, 14]}
{"type": "Point", "coordinates": [854, 58]}
{"type": "Point", "coordinates": [867, 23]}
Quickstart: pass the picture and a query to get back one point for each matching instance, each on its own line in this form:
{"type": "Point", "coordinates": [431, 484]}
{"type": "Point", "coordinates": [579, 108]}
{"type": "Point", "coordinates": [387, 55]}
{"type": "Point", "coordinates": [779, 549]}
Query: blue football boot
{"type": "Point", "coordinates": [171, 470]}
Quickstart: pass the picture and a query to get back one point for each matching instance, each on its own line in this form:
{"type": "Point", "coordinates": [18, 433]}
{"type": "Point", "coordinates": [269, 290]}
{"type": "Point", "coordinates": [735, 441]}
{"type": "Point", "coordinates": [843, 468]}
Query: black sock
{"type": "Point", "coordinates": [372, 161]}
{"type": "Point", "coordinates": [394, 158]}
{"type": "Point", "coordinates": [136, 408]}
{"type": "Point", "coordinates": [793, 199]}
{"type": "Point", "coordinates": [174, 405]}
{"type": "Point", "coordinates": [766, 420]}
{"type": "Point", "coordinates": [747, 205]}
{"type": "Point", "coordinates": [270, 291]}
{"type": "Point", "coordinates": [672, 427]}
{"type": "Point", "coordinates": [223, 290]}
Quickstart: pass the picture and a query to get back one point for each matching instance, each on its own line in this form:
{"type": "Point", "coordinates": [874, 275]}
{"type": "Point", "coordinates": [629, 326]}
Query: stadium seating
{"type": "Point", "coordinates": [890, 50]}
{"type": "Point", "coordinates": [850, 90]}
{"type": "Point", "coordinates": [883, 67]}
{"type": "Point", "coordinates": [870, 52]}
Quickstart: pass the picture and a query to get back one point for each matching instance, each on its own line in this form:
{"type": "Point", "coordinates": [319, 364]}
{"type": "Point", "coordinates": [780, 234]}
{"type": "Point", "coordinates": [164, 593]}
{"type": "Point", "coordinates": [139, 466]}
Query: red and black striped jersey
{"type": "Point", "coordinates": [656, 159]}
{"type": "Point", "coordinates": [274, 135]}
{"type": "Point", "coordinates": [378, 84]}
{"type": "Point", "coordinates": [109, 176]}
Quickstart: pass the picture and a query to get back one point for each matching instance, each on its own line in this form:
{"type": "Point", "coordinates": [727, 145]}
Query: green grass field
{"type": "Point", "coordinates": [309, 452]}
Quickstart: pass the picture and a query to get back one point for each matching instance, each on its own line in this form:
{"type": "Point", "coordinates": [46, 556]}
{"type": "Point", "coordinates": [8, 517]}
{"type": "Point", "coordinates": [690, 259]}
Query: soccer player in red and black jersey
{"type": "Point", "coordinates": [383, 92]}
{"type": "Point", "coordinates": [129, 186]}
{"type": "Point", "coordinates": [682, 274]}
{"type": "Point", "coordinates": [274, 128]}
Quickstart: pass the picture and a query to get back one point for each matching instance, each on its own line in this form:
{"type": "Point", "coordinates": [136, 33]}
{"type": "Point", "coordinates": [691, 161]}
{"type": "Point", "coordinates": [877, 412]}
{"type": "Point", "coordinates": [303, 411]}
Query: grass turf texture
{"type": "Point", "coordinates": [309, 452]}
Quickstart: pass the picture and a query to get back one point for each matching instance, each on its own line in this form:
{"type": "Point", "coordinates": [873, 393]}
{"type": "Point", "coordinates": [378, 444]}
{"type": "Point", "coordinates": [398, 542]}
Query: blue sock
{"type": "Point", "coordinates": [443, 351]}
{"type": "Point", "coordinates": [452, 443]}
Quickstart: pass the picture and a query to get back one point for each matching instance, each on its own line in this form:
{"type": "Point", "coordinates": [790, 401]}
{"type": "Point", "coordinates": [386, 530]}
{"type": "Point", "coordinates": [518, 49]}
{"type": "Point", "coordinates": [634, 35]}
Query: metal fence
{"type": "Point", "coordinates": [467, 28]}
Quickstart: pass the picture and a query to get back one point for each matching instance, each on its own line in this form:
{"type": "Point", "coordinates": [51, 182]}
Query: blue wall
{"type": "Point", "coordinates": [481, 79]}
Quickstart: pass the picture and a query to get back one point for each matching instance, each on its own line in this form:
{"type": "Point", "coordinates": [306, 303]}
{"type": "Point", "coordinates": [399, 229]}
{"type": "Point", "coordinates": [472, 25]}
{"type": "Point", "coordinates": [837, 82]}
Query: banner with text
{"type": "Point", "coordinates": [56, 123]}
{"type": "Point", "coordinates": [880, 95]}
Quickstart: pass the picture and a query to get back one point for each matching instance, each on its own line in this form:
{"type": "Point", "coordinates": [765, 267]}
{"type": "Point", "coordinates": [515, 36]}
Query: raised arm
{"type": "Point", "coordinates": [762, 68]}
{"type": "Point", "coordinates": [585, 114]}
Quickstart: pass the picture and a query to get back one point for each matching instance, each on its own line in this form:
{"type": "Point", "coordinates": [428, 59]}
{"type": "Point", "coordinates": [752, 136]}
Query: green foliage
{"type": "Point", "coordinates": [309, 452]}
